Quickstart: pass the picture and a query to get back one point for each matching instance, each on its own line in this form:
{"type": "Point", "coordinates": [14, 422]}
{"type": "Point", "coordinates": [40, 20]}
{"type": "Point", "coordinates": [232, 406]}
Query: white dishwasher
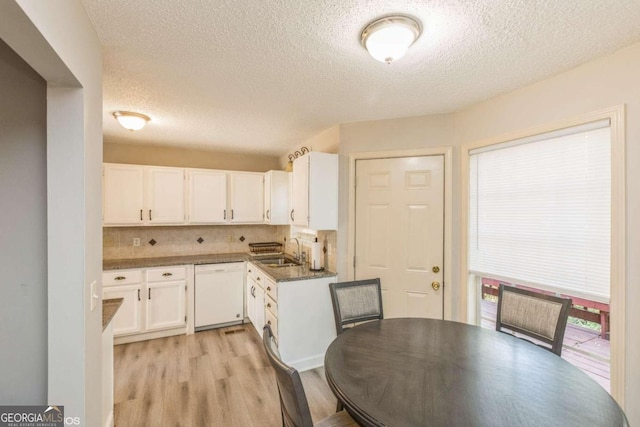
{"type": "Point", "coordinates": [219, 295]}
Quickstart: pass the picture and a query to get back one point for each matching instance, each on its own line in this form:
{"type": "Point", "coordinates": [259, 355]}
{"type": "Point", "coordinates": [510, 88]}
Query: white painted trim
{"type": "Point", "coordinates": [109, 422]}
{"type": "Point", "coordinates": [618, 253]}
{"type": "Point", "coordinates": [616, 115]}
{"type": "Point", "coordinates": [447, 152]}
{"type": "Point", "coordinates": [308, 363]}
{"type": "Point", "coordinates": [125, 339]}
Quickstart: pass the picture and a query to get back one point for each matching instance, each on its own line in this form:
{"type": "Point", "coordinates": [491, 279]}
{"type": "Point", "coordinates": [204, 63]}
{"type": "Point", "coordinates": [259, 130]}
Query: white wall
{"type": "Point", "coordinates": [57, 39]}
{"type": "Point", "coordinates": [23, 232]}
{"type": "Point", "coordinates": [605, 82]}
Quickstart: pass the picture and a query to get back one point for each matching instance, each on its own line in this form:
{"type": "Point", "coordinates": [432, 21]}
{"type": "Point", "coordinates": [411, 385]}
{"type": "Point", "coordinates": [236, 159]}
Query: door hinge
{"type": "Point", "coordinates": [185, 318]}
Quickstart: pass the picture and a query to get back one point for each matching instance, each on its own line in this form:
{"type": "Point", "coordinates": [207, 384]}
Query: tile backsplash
{"type": "Point", "coordinates": [190, 240]}
{"type": "Point", "coordinates": [118, 242]}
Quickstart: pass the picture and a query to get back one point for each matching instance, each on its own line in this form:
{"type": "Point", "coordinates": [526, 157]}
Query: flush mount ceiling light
{"type": "Point", "coordinates": [388, 38]}
{"type": "Point", "coordinates": [131, 121]}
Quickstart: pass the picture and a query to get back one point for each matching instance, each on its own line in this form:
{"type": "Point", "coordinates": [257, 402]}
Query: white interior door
{"type": "Point", "coordinates": [399, 232]}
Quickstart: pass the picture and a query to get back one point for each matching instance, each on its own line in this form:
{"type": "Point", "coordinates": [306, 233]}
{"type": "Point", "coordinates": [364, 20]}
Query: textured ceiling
{"type": "Point", "coordinates": [264, 75]}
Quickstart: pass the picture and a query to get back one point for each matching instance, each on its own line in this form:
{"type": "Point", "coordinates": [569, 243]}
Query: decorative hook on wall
{"type": "Point", "coordinates": [298, 153]}
{"type": "Point", "coordinates": [295, 155]}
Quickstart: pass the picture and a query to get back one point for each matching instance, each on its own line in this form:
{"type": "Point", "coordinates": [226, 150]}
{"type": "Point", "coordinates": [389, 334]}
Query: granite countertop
{"type": "Point", "coordinates": [283, 274]}
{"type": "Point", "coordinates": [109, 309]}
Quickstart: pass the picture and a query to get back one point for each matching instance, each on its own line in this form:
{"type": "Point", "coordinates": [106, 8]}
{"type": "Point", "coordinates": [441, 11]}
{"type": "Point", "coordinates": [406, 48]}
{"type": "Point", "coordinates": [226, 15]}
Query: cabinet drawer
{"type": "Point", "coordinates": [271, 306]}
{"type": "Point", "coordinates": [273, 322]}
{"type": "Point", "coordinates": [121, 277]}
{"type": "Point", "coordinates": [166, 274]}
{"type": "Point", "coordinates": [252, 271]}
{"type": "Point", "coordinates": [271, 289]}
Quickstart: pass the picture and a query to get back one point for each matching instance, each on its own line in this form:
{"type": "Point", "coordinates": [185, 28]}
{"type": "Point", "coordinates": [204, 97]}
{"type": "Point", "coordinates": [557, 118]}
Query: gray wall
{"type": "Point", "coordinates": [23, 232]}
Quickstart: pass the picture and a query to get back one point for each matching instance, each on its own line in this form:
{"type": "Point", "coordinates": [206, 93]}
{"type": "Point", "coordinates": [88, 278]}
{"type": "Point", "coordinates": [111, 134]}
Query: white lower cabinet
{"type": "Point", "coordinates": [255, 297]}
{"type": "Point", "coordinates": [128, 318]}
{"type": "Point", "coordinates": [259, 318]}
{"type": "Point", "coordinates": [154, 301]}
{"type": "Point", "coordinates": [166, 305]}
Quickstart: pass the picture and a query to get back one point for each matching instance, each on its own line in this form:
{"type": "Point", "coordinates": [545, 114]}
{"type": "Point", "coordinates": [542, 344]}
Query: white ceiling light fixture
{"type": "Point", "coordinates": [131, 121]}
{"type": "Point", "coordinates": [388, 38]}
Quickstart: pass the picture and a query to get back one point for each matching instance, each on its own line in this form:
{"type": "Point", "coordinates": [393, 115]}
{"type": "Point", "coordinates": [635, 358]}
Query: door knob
{"type": "Point", "coordinates": [435, 285]}
{"type": "Point", "coordinates": [435, 269]}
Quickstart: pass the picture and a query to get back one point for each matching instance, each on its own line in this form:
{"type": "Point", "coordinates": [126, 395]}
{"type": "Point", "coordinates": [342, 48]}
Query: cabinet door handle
{"type": "Point", "coordinates": [150, 215]}
{"type": "Point", "coordinates": [231, 213]}
{"type": "Point", "coordinates": [269, 322]}
{"type": "Point", "coordinates": [119, 278]}
{"type": "Point", "coordinates": [292, 214]}
{"type": "Point", "coordinates": [225, 214]}
{"type": "Point", "coordinates": [268, 305]}
{"type": "Point", "coordinates": [167, 274]}
{"type": "Point", "coordinates": [138, 294]}
{"type": "Point", "coordinates": [140, 214]}
{"type": "Point", "coordinates": [149, 291]}
{"type": "Point", "coordinates": [257, 278]}
{"type": "Point", "coordinates": [269, 288]}
{"type": "Point", "coordinates": [249, 270]}
{"type": "Point", "coordinates": [268, 212]}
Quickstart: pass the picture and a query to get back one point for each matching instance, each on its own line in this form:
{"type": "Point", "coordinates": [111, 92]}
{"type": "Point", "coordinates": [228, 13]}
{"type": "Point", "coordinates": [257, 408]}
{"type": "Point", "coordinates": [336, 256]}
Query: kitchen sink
{"type": "Point", "coordinates": [279, 262]}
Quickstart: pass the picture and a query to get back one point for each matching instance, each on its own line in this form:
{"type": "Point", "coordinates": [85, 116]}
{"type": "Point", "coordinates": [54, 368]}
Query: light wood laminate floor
{"type": "Point", "coordinates": [219, 377]}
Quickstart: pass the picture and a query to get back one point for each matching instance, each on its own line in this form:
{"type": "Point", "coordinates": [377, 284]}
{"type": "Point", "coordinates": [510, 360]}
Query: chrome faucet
{"type": "Point", "coordinates": [296, 255]}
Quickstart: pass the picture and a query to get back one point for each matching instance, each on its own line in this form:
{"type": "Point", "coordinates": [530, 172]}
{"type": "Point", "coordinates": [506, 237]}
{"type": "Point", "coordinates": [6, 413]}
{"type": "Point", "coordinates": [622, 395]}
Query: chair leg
{"type": "Point", "coordinates": [339, 406]}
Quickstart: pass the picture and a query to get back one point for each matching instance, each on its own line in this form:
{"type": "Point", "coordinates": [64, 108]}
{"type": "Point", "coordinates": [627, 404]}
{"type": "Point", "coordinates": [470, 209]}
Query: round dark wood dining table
{"type": "Point", "coordinates": [428, 372]}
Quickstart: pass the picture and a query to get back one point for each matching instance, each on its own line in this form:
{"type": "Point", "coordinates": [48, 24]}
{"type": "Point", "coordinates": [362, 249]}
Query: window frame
{"type": "Point", "coordinates": [468, 291]}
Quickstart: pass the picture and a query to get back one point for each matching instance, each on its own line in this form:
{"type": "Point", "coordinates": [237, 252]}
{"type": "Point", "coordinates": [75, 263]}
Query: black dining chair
{"type": "Point", "coordinates": [293, 400]}
{"type": "Point", "coordinates": [536, 315]}
{"type": "Point", "coordinates": [355, 302]}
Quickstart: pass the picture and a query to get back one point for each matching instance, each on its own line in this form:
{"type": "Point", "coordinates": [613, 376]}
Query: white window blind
{"type": "Point", "coordinates": [540, 211]}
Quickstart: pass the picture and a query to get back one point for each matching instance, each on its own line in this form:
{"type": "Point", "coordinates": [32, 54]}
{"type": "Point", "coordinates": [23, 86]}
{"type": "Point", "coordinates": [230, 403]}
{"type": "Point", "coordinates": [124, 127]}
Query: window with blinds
{"type": "Point", "coordinates": [540, 211]}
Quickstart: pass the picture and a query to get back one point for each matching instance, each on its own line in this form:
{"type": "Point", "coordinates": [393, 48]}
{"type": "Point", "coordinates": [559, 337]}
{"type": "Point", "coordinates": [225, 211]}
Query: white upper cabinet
{"type": "Point", "coordinates": [155, 195]}
{"type": "Point", "coordinates": [207, 196]}
{"type": "Point", "coordinates": [165, 195]}
{"type": "Point", "coordinates": [276, 197]}
{"type": "Point", "coordinates": [142, 195]}
{"type": "Point", "coordinates": [315, 191]}
{"type": "Point", "coordinates": [123, 194]}
{"type": "Point", "coordinates": [300, 192]}
{"type": "Point", "coordinates": [245, 197]}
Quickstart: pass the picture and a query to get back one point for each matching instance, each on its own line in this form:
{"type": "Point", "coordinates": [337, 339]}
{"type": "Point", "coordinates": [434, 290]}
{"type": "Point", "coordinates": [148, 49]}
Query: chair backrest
{"type": "Point", "coordinates": [293, 400]}
{"type": "Point", "coordinates": [539, 316]}
{"type": "Point", "coordinates": [356, 301]}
